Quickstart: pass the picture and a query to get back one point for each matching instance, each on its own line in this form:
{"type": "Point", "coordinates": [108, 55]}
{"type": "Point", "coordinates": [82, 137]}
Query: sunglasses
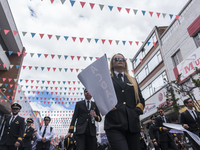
{"type": "Point", "coordinates": [160, 111]}
{"type": "Point", "coordinates": [190, 102]}
{"type": "Point", "coordinates": [117, 59]}
{"type": "Point", "coordinates": [15, 109]}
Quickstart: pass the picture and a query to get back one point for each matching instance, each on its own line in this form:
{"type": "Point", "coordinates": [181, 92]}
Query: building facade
{"type": "Point", "coordinates": [11, 58]}
{"type": "Point", "coordinates": [167, 52]}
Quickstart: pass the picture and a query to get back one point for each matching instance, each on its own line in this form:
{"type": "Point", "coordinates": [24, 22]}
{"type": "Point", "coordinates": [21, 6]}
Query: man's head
{"type": "Point", "coordinates": [161, 112]}
{"type": "Point", "coordinates": [188, 103]}
{"type": "Point", "coordinates": [61, 137]}
{"type": "Point", "coordinates": [15, 108]}
{"type": "Point", "coordinates": [142, 129]}
{"type": "Point", "coordinates": [153, 117]}
{"type": "Point", "coordinates": [29, 121]}
{"type": "Point", "coordinates": [47, 120]}
{"type": "Point", "coordinates": [87, 95]}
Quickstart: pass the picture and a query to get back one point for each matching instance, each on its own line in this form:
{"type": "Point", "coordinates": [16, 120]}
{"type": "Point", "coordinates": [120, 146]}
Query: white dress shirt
{"type": "Point", "coordinates": [48, 135]}
{"type": "Point", "coordinates": [190, 111]}
{"type": "Point", "coordinates": [116, 73]}
{"type": "Point", "coordinates": [86, 101]}
{"type": "Point", "coordinates": [12, 118]}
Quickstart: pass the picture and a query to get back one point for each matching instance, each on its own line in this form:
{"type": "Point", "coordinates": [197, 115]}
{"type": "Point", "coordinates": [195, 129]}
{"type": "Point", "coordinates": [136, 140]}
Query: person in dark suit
{"type": "Point", "coordinates": [143, 145]}
{"type": "Point", "coordinates": [153, 133]}
{"type": "Point", "coordinates": [190, 119]}
{"type": "Point", "coordinates": [122, 124]}
{"type": "Point", "coordinates": [70, 143]}
{"type": "Point", "coordinates": [62, 143]}
{"type": "Point", "coordinates": [12, 130]}
{"type": "Point", "coordinates": [28, 136]}
{"type": "Point", "coordinates": [165, 138]}
{"type": "Point", "coordinates": [86, 112]}
{"type": "Point", "coordinates": [44, 135]}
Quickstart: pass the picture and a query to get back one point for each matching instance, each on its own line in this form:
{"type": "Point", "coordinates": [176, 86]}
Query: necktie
{"type": "Point", "coordinates": [88, 102]}
{"type": "Point", "coordinates": [12, 119]}
{"type": "Point", "coordinates": [44, 131]}
{"type": "Point", "coordinates": [120, 77]}
{"type": "Point", "coordinates": [195, 118]}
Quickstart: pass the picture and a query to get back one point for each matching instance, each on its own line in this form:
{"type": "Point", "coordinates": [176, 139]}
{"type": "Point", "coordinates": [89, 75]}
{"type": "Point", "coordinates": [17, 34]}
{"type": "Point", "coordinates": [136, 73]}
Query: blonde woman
{"type": "Point", "coordinates": [122, 124]}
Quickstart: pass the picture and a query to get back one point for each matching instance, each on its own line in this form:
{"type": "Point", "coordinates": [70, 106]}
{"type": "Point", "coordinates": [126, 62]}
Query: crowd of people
{"type": "Point", "coordinates": [122, 124]}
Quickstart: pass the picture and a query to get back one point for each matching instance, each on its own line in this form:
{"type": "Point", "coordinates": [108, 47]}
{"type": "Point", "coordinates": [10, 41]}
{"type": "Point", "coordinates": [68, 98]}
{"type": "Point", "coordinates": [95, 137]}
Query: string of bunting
{"type": "Point", "coordinates": [59, 56]}
{"type": "Point", "coordinates": [42, 81]}
{"type": "Point", "coordinates": [41, 35]}
{"type": "Point", "coordinates": [46, 68]}
{"type": "Point", "coordinates": [119, 9]}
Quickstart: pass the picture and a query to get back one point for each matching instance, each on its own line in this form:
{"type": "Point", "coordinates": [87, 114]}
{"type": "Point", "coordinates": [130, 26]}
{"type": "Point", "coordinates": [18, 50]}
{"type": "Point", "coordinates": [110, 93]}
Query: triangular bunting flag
{"type": "Point", "coordinates": [119, 8]}
{"type": "Point", "coordinates": [163, 15]}
{"type": "Point", "coordinates": [117, 42]}
{"type": "Point", "coordinates": [101, 6]}
{"type": "Point", "coordinates": [33, 34]}
{"type": "Point", "coordinates": [110, 7]}
{"type": "Point", "coordinates": [124, 42]}
{"type": "Point", "coordinates": [15, 32]}
{"type": "Point", "coordinates": [103, 41]}
{"type": "Point", "coordinates": [31, 54]}
{"type": "Point", "coordinates": [177, 16]}
{"type": "Point", "coordinates": [135, 11]}
{"type": "Point", "coordinates": [89, 39]}
{"type": "Point", "coordinates": [137, 42]}
{"type": "Point", "coordinates": [66, 37]}
{"type": "Point", "coordinates": [110, 41]}
{"type": "Point", "coordinates": [158, 14]}
{"type": "Point", "coordinates": [130, 42]}
{"type": "Point", "coordinates": [6, 31]}
{"type": "Point", "coordinates": [96, 40]}
{"type": "Point", "coordinates": [24, 33]}
{"type": "Point", "coordinates": [127, 9]}
{"type": "Point", "coordinates": [81, 39]}
{"type": "Point", "coordinates": [84, 57]}
{"type": "Point", "coordinates": [57, 37]}
{"type": "Point", "coordinates": [74, 39]}
{"type": "Point", "coordinates": [151, 13]}
{"type": "Point", "coordinates": [41, 35]}
{"type": "Point", "coordinates": [62, 1]}
{"type": "Point", "coordinates": [65, 56]}
{"type": "Point", "coordinates": [50, 36]}
{"type": "Point", "coordinates": [91, 5]}
{"type": "Point", "coordinates": [143, 12]}
{"type": "Point", "coordinates": [78, 57]}
{"type": "Point", "coordinates": [72, 3]}
{"type": "Point", "coordinates": [170, 15]}
{"type": "Point", "coordinates": [72, 57]}
{"type": "Point", "coordinates": [82, 4]}
{"type": "Point", "coordinates": [59, 56]}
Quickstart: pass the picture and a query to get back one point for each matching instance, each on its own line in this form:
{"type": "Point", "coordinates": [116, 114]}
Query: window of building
{"type": "Point", "coordinates": [154, 86]}
{"type": "Point", "coordinates": [197, 39]}
{"type": "Point", "coordinates": [177, 58]}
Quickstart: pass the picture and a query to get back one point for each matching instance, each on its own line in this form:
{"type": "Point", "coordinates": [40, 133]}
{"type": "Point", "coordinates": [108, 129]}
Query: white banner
{"type": "Point", "coordinates": [97, 80]}
{"type": "Point", "coordinates": [179, 127]}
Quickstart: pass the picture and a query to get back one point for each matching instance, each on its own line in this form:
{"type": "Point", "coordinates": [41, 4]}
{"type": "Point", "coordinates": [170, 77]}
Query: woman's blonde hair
{"type": "Point", "coordinates": [130, 78]}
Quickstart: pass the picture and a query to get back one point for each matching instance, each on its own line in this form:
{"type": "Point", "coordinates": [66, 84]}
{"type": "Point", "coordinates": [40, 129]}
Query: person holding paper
{"type": "Point", "coordinates": [86, 113]}
{"type": "Point", "coordinates": [165, 138]}
{"type": "Point", "coordinates": [190, 119]}
{"type": "Point", "coordinates": [122, 124]}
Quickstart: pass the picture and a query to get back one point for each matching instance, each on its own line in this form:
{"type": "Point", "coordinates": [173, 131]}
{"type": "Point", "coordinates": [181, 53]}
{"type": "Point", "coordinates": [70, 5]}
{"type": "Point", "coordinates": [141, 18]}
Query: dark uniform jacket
{"type": "Point", "coordinates": [194, 125]}
{"type": "Point", "coordinates": [28, 137]}
{"type": "Point", "coordinates": [143, 144]}
{"type": "Point", "coordinates": [60, 144]}
{"type": "Point", "coordinates": [153, 133]}
{"type": "Point", "coordinates": [128, 111]}
{"type": "Point", "coordinates": [13, 132]}
{"type": "Point", "coordinates": [164, 136]}
{"type": "Point", "coordinates": [84, 118]}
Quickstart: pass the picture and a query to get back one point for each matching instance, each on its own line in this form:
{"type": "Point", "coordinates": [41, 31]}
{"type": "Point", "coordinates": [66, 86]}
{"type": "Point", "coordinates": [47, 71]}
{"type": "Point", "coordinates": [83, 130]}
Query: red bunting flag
{"type": "Point", "coordinates": [4, 65]}
{"type": "Point", "coordinates": [74, 82]}
{"type": "Point", "coordinates": [158, 14]}
{"type": "Point", "coordinates": [30, 67]}
{"type": "Point", "coordinates": [32, 81]}
{"type": "Point", "coordinates": [72, 57]}
{"type": "Point", "coordinates": [9, 79]}
{"type": "Point", "coordinates": [52, 1]}
{"type": "Point", "coordinates": [6, 31]}
{"type": "Point", "coordinates": [177, 16]}
{"type": "Point", "coordinates": [70, 88]}
{"type": "Point", "coordinates": [36, 87]}
{"type": "Point", "coordinates": [151, 13]}
{"type": "Point", "coordinates": [141, 60]}
{"type": "Point", "coordinates": [49, 36]}
{"type": "Point", "coordinates": [91, 5]}
{"type": "Point", "coordinates": [97, 57]}
{"type": "Point", "coordinates": [41, 35]}
{"type": "Point", "coordinates": [19, 53]}
{"type": "Point", "coordinates": [77, 70]}
{"type": "Point", "coordinates": [52, 56]}
{"type": "Point", "coordinates": [31, 87]}
{"type": "Point", "coordinates": [24, 67]}
{"type": "Point", "coordinates": [54, 69]}
{"type": "Point", "coordinates": [74, 39]}
{"type": "Point", "coordinates": [137, 42]}
{"type": "Point", "coordinates": [78, 57]}
{"type": "Point", "coordinates": [81, 39]}
{"type": "Point", "coordinates": [69, 82]}
{"type": "Point", "coordinates": [132, 71]}
{"type": "Point", "coordinates": [110, 41]}
{"type": "Point", "coordinates": [15, 32]}
{"type": "Point", "coordinates": [11, 85]}
{"type": "Point", "coordinates": [54, 82]}
{"type": "Point", "coordinates": [154, 43]}
{"type": "Point", "coordinates": [48, 82]}
{"type": "Point", "coordinates": [24, 53]}
{"type": "Point", "coordinates": [51, 88]}
{"type": "Point", "coordinates": [82, 4]}
{"type": "Point", "coordinates": [48, 68]}
{"type": "Point", "coordinates": [130, 42]}
{"type": "Point", "coordinates": [4, 79]}
{"type": "Point", "coordinates": [128, 10]}
{"type": "Point", "coordinates": [103, 41]}
{"type": "Point", "coordinates": [45, 55]}
{"type": "Point", "coordinates": [119, 8]}
{"type": "Point", "coordinates": [71, 69]}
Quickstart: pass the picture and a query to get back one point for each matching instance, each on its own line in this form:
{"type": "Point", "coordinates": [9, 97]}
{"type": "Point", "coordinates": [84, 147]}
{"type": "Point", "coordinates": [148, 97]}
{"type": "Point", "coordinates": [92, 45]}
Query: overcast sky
{"type": "Point", "coordinates": [42, 17]}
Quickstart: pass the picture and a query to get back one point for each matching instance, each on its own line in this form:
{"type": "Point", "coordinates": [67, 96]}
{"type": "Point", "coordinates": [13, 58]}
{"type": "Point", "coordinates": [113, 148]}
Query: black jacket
{"type": "Point", "coordinates": [60, 144]}
{"type": "Point", "coordinates": [28, 137]}
{"type": "Point", "coordinates": [13, 132]}
{"type": "Point", "coordinates": [128, 110]}
{"type": "Point", "coordinates": [153, 133]}
{"type": "Point", "coordinates": [164, 136]}
{"type": "Point", "coordinates": [194, 125]}
{"type": "Point", "coordinates": [143, 144]}
{"type": "Point", "coordinates": [84, 118]}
